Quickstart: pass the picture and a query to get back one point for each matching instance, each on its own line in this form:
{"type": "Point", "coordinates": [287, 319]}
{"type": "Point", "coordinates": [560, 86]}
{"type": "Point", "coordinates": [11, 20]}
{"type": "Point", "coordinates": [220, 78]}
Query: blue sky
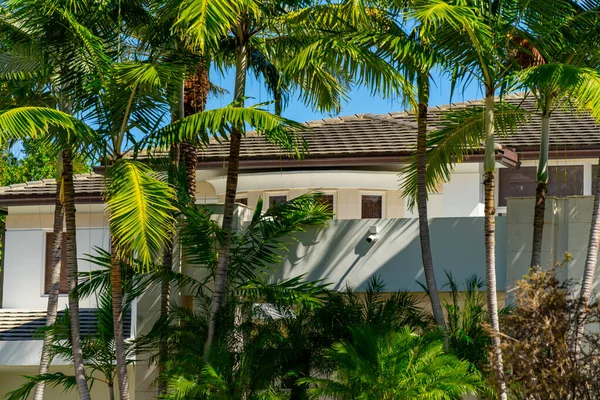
{"type": "Point", "coordinates": [361, 99]}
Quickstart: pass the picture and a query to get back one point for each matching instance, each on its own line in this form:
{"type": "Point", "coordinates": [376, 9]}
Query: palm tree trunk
{"type": "Point", "coordinates": [167, 259]}
{"type": "Point", "coordinates": [540, 192]}
{"type": "Point", "coordinates": [52, 309]}
{"type": "Point", "coordinates": [490, 241]}
{"type": "Point", "coordinates": [189, 159]}
{"type": "Point", "coordinates": [436, 306]}
{"type": "Point", "coordinates": [196, 91]}
{"type": "Point", "coordinates": [111, 391]}
{"type": "Point", "coordinates": [72, 273]}
{"type": "Point", "coordinates": [589, 270]}
{"type": "Point", "coordinates": [117, 309]}
{"type": "Point", "coordinates": [233, 166]}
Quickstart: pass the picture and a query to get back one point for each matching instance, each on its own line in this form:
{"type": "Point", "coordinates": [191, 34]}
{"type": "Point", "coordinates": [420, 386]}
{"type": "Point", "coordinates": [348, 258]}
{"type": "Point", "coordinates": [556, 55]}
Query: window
{"type": "Point", "coordinates": [242, 200]}
{"type": "Point", "coordinates": [371, 206]}
{"type": "Point", "coordinates": [64, 283]}
{"type": "Point", "coordinates": [277, 199]}
{"type": "Point", "coordinates": [328, 200]}
{"type": "Point", "coordinates": [565, 180]}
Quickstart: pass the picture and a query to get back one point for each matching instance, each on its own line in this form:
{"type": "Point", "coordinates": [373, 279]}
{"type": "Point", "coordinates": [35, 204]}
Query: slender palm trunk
{"type": "Point", "coordinates": [540, 192]}
{"type": "Point", "coordinates": [434, 296]}
{"type": "Point", "coordinates": [111, 391]}
{"type": "Point", "coordinates": [117, 308]}
{"type": "Point", "coordinates": [72, 274]}
{"type": "Point", "coordinates": [490, 241]}
{"type": "Point", "coordinates": [167, 259]}
{"type": "Point", "coordinates": [589, 271]}
{"type": "Point", "coordinates": [233, 166]}
{"type": "Point", "coordinates": [52, 309]}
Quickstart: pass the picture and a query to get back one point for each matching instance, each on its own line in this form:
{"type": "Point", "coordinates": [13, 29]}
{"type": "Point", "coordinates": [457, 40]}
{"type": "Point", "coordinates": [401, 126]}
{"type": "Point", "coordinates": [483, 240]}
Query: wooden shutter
{"type": "Point", "coordinates": [563, 180]}
{"type": "Point", "coordinates": [64, 283]}
{"type": "Point", "coordinates": [371, 206]}
{"type": "Point", "coordinates": [327, 200]}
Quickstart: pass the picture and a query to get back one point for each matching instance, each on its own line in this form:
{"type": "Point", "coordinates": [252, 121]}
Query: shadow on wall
{"type": "Point", "coordinates": [340, 255]}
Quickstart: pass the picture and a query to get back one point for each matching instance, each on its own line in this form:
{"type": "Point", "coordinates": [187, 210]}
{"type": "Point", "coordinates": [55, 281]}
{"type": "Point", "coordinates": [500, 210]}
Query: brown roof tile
{"type": "Point", "coordinates": [394, 134]}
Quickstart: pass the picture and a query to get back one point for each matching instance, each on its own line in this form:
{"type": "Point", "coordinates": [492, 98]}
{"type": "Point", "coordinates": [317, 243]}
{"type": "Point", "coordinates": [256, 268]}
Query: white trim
{"type": "Point", "coordinates": [381, 193]}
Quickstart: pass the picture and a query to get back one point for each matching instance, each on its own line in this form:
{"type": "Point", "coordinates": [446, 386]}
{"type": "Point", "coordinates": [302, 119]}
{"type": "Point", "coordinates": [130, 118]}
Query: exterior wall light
{"type": "Point", "coordinates": [373, 234]}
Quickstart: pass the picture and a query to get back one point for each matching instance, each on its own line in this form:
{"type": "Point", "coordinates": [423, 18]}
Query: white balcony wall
{"type": "Point", "coordinates": [24, 264]}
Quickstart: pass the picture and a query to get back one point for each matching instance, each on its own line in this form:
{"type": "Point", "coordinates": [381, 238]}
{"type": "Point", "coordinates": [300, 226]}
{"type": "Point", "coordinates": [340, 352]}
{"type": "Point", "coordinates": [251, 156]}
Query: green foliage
{"type": "Point", "coordinates": [33, 160]}
{"type": "Point", "coordinates": [541, 357]}
{"type": "Point", "coordinates": [459, 134]}
{"type": "Point", "coordinates": [467, 315]}
{"type": "Point", "coordinates": [140, 209]}
{"type": "Point", "coordinates": [395, 365]}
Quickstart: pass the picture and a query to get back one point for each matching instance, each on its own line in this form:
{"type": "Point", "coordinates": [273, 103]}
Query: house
{"type": "Point", "coordinates": [355, 161]}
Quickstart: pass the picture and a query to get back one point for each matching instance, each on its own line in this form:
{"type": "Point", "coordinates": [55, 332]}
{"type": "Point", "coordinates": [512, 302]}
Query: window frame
{"type": "Point", "coordinates": [268, 196]}
{"type": "Point", "coordinates": [380, 193]}
{"type": "Point", "coordinates": [332, 193]}
{"type": "Point", "coordinates": [241, 196]}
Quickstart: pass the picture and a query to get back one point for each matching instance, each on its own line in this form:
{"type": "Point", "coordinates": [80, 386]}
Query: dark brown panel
{"type": "Point", "coordinates": [371, 206]}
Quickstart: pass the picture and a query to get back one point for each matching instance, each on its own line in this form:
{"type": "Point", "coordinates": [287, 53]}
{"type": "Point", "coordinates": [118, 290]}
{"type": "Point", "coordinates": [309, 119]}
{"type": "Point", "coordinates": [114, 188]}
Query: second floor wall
{"type": "Point", "coordinates": [356, 193]}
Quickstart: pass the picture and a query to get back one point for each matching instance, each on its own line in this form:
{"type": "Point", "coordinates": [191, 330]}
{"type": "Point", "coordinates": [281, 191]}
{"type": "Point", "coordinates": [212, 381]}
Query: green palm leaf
{"type": "Point", "coordinates": [460, 133]}
{"type": "Point", "coordinates": [199, 128]}
{"type": "Point", "coordinates": [205, 22]}
{"type": "Point", "coordinates": [395, 365]}
{"type": "Point", "coordinates": [34, 122]}
{"type": "Point", "coordinates": [140, 206]}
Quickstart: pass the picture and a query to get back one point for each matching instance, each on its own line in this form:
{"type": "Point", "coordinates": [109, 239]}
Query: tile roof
{"type": "Point", "coordinates": [87, 186]}
{"type": "Point", "coordinates": [394, 134]}
{"type": "Point", "coordinates": [357, 136]}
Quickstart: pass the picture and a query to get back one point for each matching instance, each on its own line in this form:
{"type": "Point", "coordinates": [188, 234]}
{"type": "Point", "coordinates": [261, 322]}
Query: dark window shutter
{"type": "Point", "coordinates": [64, 283]}
{"type": "Point", "coordinates": [372, 206]}
{"type": "Point", "coordinates": [327, 200]}
{"type": "Point", "coordinates": [563, 181]}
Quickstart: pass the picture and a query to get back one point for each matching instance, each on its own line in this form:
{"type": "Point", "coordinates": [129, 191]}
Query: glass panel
{"type": "Point", "coordinates": [274, 200]}
{"type": "Point", "coordinates": [564, 180]}
{"type": "Point", "coordinates": [371, 206]}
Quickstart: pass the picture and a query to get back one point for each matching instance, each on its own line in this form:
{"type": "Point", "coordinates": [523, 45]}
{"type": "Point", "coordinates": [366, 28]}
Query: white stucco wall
{"type": "Point", "coordinates": [340, 255]}
{"type": "Point", "coordinates": [24, 265]}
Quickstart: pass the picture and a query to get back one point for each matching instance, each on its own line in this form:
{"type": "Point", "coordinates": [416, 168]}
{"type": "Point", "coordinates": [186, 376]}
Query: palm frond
{"type": "Point", "coordinates": [140, 206]}
{"type": "Point", "coordinates": [52, 379]}
{"type": "Point", "coordinates": [216, 123]}
{"type": "Point", "coordinates": [459, 134]}
{"type": "Point", "coordinates": [205, 22]}
{"type": "Point", "coordinates": [34, 122]}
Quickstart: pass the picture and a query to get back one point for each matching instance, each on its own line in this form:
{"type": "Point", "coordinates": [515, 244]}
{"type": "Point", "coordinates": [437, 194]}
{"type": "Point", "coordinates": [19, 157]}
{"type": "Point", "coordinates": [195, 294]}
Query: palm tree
{"type": "Point", "coordinates": [289, 47]}
{"type": "Point", "coordinates": [98, 346]}
{"type": "Point", "coordinates": [423, 58]}
{"type": "Point", "coordinates": [395, 365]}
{"type": "Point", "coordinates": [476, 36]}
{"type": "Point", "coordinates": [557, 64]}
{"type": "Point", "coordinates": [49, 37]}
